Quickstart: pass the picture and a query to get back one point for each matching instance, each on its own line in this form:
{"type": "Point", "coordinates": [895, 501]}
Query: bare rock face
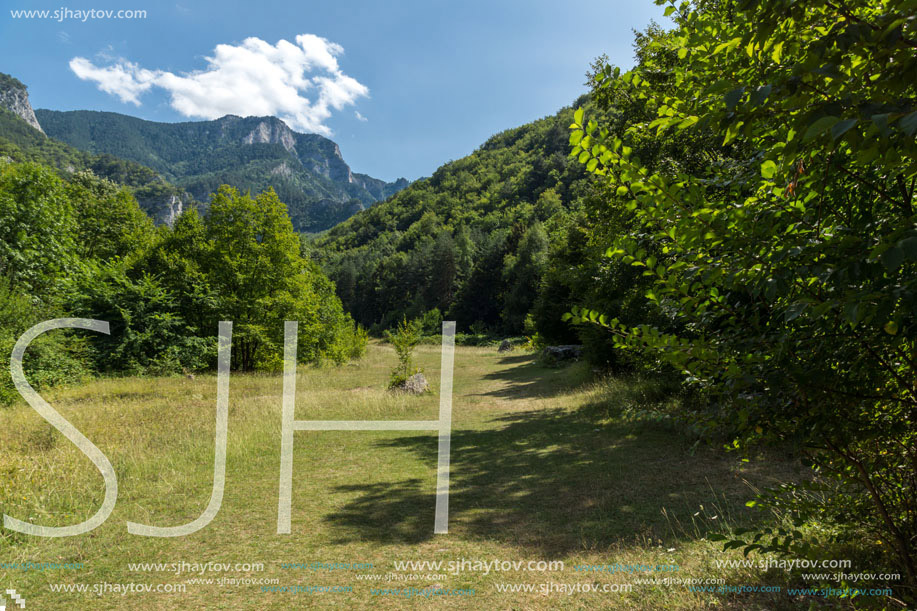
{"type": "Point", "coordinates": [415, 385]}
{"type": "Point", "coordinates": [15, 98]}
{"type": "Point", "coordinates": [272, 132]}
{"type": "Point", "coordinates": [174, 208]}
{"type": "Point", "coordinates": [166, 205]}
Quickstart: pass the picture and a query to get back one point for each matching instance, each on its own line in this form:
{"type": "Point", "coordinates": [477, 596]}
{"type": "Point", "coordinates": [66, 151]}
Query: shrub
{"type": "Point", "coordinates": [404, 340]}
{"type": "Point", "coordinates": [791, 256]}
{"type": "Point", "coordinates": [57, 357]}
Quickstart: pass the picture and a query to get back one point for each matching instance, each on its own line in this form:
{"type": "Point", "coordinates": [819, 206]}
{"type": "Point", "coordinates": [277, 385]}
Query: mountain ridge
{"type": "Point", "coordinates": [308, 171]}
{"type": "Point", "coordinates": [471, 241]}
{"type": "Point", "coordinates": [22, 139]}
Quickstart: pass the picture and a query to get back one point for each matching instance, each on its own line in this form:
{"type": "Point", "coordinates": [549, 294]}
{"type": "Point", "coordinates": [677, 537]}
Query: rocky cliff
{"type": "Point", "coordinates": [22, 139]}
{"type": "Point", "coordinates": [15, 97]}
{"type": "Point", "coordinates": [307, 171]}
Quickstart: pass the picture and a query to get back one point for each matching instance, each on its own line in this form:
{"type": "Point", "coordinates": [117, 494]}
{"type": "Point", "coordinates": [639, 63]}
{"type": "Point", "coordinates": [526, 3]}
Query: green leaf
{"type": "Point", "coordinates": [891, 327]}
{"type": "Point", "coordinates": [818, 127]}
{"type": "Point", "coordinates": [881, 121]}
{"type": "Point", "coordinates": [777, 52]}
{"type": "Point", "coordinates": [852, 312]}
{"type": "Point", "coordinates": [760, 94]}
{"type": "Point", "coordinates": [908, 246]}
{"type": "Point", "coordinates": [578, 116]}
{"type": "Point", "coordinates": [909, 123]}
{"type": "Point", "coordinates": [768, 169]}
{"type": "Point", "coordinates": [794, 311]}
{"type": "Point", "coordinates": [716, 537]}
{"type": "Point", "coordinates": [718, 87]}
{"type": "Point", "coordinates": [892, 258]}
{"type": "Point", "coordinates": [732, 98]}
{"type": "Point", "coordinates": [732, 132]}
{"type": "Point", "coordinates": [841, 127]}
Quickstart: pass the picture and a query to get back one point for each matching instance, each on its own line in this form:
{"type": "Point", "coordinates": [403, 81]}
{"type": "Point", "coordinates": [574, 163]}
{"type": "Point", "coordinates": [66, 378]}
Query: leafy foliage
{"type": "Point", "coordinates": [20, 142]}
{"type": "Point", "coordinates": [84, 248]}
{"type": "Point", "coordinates": [52, 359]}
{"type": "Point", "coordinates": [404, 339]}
{"type": "Point", "coordinates": [37, 223]}
{"type": "Point", "coordinates": [788, 260]}
{"type": "Point", "coordinates": [471, 241]}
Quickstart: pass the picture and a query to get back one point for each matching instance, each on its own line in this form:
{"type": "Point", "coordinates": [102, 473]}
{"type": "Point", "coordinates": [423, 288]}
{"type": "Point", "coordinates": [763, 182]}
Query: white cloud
{"type": "Point", "coordinates": [301, 83]}
{"type": "Point", "coordinates": [124, 79]}
{"type": "Point", "coordinates": [359, 116]}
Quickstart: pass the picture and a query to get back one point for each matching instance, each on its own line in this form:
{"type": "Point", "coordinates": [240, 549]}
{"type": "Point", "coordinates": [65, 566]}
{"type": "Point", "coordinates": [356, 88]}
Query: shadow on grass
{"type": "Point", "coordinates": [553, 482]}
{"type": "Point", "coordinates": [529, 379]}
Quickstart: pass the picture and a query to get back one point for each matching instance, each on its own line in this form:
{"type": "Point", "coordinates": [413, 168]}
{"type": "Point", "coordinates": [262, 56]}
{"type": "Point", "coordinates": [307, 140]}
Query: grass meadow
{"type": "Point", "coordinates": [547, 464]}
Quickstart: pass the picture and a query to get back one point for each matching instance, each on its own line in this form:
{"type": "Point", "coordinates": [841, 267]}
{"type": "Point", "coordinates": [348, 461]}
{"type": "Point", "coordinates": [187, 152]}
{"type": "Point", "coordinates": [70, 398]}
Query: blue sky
{"type": "Point", "coordinates": [431, 80]}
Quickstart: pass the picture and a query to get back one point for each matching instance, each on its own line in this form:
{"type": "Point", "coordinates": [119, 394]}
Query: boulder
{"type": "Point", "coordinates": [505, 346]}
{"type": "Point", "coordinates": [415, 385]}
{"type": "Point", "coordinates": [569, 352]}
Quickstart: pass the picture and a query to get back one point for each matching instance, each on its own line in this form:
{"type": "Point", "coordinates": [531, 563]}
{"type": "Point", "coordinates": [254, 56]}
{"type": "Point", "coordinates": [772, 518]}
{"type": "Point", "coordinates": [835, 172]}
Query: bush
{"type": "Point", "coordinates": [148, 333]}
{"type": "Point", "coordinates": [791, 255]}
{"type": "Point", "coordinates": [404, 340]}
{"type": "Point", "coordinates": [57, 357]}
{"type": "Point", "coordinates": [431, 323]}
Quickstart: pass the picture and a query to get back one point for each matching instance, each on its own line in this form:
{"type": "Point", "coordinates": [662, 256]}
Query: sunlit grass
{"type": "Point", "coordinates": [546, 464]}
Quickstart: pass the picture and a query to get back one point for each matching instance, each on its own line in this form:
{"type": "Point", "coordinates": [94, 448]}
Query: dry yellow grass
{"type": "Point", "coordinates": [542, 469]}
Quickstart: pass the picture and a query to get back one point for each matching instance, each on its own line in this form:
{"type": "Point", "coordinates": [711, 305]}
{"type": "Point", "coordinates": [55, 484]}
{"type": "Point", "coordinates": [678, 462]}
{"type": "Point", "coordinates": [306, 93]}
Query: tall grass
{"type": "Point", "coordinates": [546, 464]}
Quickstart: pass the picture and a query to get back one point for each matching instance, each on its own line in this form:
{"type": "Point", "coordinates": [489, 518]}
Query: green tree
{"type": "Point", "coordinates": [110, 224]}
{"type": "Point", "coordinates": [37, 229]}
{"type": "Point", "coordinates": [252, 260]}
{"type": "Point", "coordinates": [523, 272]}
{"type": "Point", "coordinates": [150, 334]}
{"type": "Point", "coordinates": [791, 260]}
{"type": "Point", "coordinates": [479, 299]}
{"type": "Point", "coordinates": [443, 272]}
{"type": "Point", "coordinates": [253, 264]}
{"type": "Point", "coordinates": [179, 260]}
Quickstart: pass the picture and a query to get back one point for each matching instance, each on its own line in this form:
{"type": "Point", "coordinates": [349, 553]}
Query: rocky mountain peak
{"type": "Point", "coordinates": [307, 171]}
{"type": "Point", "coordinates": [15, 97]}
{"type": "Point", "coordinates": [271, 132]}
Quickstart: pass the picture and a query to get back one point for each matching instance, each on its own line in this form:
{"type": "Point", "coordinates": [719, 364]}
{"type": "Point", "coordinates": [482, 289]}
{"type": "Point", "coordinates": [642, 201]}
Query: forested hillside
{"type": "Point", "coordinates": [20, 142]}
{"type": "Point", "coordinates": [253, 153]}
{"type": "Point", "coordinates": [471, 241]}
{"type": "Point", "coordinates": [507, 239]}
